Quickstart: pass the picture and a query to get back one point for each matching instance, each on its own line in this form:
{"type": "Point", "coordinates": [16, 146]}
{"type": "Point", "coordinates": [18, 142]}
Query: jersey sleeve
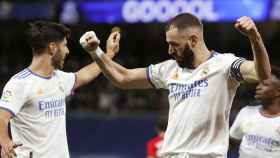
{"type": "Point", "coordinates": [236, 131]}
{"type": "Point", "coordinates": [157, 75]}
{"type": "Point", "coordinates": [151, 149]}
{"type": "Point", "coordinates": [68, 80]}
{"type": "Point", "coordinates": [232, 66]}
{"type": "Point", "coordinates": [13, 96]}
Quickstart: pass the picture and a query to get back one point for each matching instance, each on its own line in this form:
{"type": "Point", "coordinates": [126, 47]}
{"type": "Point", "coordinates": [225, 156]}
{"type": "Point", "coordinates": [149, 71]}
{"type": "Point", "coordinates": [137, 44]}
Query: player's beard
{"type": "Point", "coordinates": [58, 60]}
{"type": "Point", "coordinates": [186, 59]}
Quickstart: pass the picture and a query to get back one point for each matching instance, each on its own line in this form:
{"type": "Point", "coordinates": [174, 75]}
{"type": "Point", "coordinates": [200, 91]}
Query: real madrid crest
{"type": "Point", "coordinates": [205, 70]}
{"type": "Point", "coordinates": [175, 75]}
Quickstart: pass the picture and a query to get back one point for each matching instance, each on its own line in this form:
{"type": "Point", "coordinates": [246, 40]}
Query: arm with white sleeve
{"type": "Point", "coordinates": [236, 131]}
{"type": "Point", "coordinates": [11, 101]}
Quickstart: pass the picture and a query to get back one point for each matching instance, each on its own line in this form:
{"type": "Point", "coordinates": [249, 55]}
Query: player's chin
{"type": "Point", "coordinates": [261, 98]}
{"type": "Point", "coordinates": [258, 97]}
{"type": "Point", "coordinates": [61, 65]}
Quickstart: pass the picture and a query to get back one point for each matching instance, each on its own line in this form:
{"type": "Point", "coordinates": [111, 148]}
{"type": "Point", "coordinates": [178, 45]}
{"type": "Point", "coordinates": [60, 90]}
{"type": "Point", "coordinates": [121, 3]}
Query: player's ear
{"type": "Point", "coordinates": [52, 48]}
{"type": "Point", "coordinates": [193, 40]}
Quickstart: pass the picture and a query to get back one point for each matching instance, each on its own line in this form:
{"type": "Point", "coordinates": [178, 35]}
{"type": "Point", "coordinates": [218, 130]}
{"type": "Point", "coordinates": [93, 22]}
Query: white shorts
{"type": "Point", "coordinates": [186, 155]}
{"type": "Point", "coordinates": [180, 155]}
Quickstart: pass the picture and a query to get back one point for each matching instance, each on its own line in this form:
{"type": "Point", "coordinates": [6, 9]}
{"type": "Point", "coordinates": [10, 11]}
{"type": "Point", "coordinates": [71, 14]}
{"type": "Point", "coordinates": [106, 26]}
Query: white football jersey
{"type": "Point", "coordinates": [200, 102]}
{"type": "Point", "coordinates": [259, 135]}
{"type": "Point", "coordinates": [38, 106]}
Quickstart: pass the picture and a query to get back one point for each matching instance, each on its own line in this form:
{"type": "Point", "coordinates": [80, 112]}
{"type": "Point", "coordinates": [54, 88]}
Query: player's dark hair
{"type": "Point", "coordinates": [183, 21]}
{"type": "Point", "coordinates": [41, 33]}
{"type": "Point", "coordinates": [161, 124]}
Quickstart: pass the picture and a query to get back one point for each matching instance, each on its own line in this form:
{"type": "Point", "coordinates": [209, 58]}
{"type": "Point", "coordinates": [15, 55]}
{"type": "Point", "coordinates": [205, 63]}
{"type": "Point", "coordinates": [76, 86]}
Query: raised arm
{"type": "Point", "coordinates": [88, 73]}
{"type": "Point", "coordinates": [259, 69]}
{"type": "Point", "coordinates": [91, 71]}
{"type": "Point", "coordinates": [120, 76]}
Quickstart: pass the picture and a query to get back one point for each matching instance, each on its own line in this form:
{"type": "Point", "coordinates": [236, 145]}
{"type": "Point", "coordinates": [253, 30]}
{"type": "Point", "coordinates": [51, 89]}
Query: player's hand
{"type": "Point", "coordinates": [113, 43]}
{"type": "Point", "coordinates": [7, 150]}
{"type": "Point", "coordinates": [89, 42]}
{"type": "Point", "coordinates": [246, 26]}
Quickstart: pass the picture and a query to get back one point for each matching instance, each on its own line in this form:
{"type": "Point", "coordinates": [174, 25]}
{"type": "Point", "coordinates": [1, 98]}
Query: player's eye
{"type": "Point", "coordinates": [265, 83]}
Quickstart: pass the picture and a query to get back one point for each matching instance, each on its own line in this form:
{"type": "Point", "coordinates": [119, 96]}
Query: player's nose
{"type": "Point", "coordinates": [259, 87]}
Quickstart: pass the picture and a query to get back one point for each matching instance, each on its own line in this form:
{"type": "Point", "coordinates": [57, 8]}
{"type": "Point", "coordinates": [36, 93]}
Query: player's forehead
{"type": "Point", "coordinates": [173, 34]}
{"type": "Point", "coordinates": [172, 31]}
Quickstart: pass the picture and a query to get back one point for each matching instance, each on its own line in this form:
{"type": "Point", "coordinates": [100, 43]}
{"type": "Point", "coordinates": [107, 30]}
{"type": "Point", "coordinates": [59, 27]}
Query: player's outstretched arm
{"type": "Point", "coordinates": [86, 75]}
{"type": "Point", "coordinates": [260, 68]}
{"type": "Point", "coordinates": [6, 143]}
{"type": "Point", "coordinates": [120, 76]}
{"type": "Point", "coordinates": [91, 71]}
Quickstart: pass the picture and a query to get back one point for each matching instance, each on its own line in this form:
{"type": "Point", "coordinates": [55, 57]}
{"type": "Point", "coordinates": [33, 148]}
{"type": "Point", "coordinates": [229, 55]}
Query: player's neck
{"type": "Point", "coordinates": [201, 55]}
{"type": "Point", "coordinates": [42, 65]}
{"type": "Point", "coordinates": [273, 109]}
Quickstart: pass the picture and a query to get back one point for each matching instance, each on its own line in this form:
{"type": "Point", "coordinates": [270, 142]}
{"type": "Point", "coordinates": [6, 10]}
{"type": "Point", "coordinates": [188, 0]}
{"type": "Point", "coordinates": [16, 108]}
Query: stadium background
{"type": "Point", "coordinates": [103, 121]}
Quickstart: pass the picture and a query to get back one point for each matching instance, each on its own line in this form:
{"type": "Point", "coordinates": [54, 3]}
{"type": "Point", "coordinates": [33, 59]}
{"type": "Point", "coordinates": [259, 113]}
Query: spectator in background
{"type": "Point", "coordinates": [154, 144]}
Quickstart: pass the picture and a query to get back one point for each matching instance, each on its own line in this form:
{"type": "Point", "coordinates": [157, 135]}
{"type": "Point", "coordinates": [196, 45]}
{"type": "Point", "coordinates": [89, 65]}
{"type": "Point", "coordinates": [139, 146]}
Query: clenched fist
{"type": "Point", "coordinates": [246, 26]}
{"type": "Point", "coordinates": [89, 42]}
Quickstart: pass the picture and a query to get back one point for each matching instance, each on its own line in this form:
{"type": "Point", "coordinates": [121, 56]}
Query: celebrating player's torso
{"type": "Point", "coordinates": [200, 102]}
{"type": "Point", "coordinates": [39, 105]}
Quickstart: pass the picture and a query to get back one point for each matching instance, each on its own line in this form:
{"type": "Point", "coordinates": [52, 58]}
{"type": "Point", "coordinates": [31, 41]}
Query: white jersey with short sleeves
{"type": "Point", "coordinates": [38, 106]}
{"type": "Point", "coordinates": [200, 101]}
{"type": "Point", "coordinates": [259, 135]}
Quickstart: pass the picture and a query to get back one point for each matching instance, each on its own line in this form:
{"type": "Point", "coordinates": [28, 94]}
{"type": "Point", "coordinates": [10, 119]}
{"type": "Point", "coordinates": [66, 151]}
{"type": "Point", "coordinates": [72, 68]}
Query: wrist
{"type": "Point", "coordinates": [6, 141]}
{"type": "Point", "coordinates": [97, 53]}
{"type": "Point", "coordinates": [110, 54]}
{"type": "Point", "coordinates": [255, 36]}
